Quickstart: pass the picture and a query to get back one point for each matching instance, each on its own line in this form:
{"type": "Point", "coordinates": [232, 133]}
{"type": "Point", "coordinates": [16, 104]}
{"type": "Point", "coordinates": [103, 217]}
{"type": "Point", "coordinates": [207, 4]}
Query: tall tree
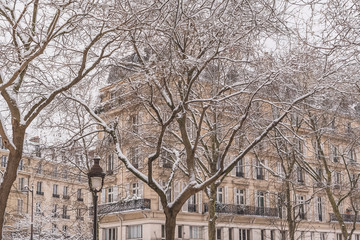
{"type": "Point", "coordinates": [47, 47]}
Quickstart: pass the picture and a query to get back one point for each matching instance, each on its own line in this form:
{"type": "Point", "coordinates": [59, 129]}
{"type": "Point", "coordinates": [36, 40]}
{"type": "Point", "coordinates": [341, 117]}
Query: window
{"type": "Point", "coordinates": [39, 188]}
{"type": "Point", "coordinates": [259, 170]}
{"type": "Point", "coordinates": [55, 191]}
{"type": "Point", "coordinates": [64, 212]}
{"type": "Point", "coordinates": [53, 228]}
{"type": "Point", "coordinates": [180, 231]}
{"type": "Point", "coordinates": [3, 161]}
{"type": "Point", "coordinates": [134, 231]}
{"type": "Point", "coordinates": [55, 171]}
{"type": "Point", "coordinates": [21, 184]}
{"type": "Point", "coordinates": [272, 235]}
{"type": "Point", "coordinates": [300, 175]}
{"type": "Point", "coordinates": [38, 208]}
{"type": "Point", "coordinates": [283, 234]}
{"type": "Point", "coordinates": [110, 234]}
{"type": "Point", "coordinates": [239, 197]}
{"type": "Point", "coordinates": [192, 203]}
{"type": "Point", "coordinates": [162, 231]}
{"type": "Point", "coordinates": [110, 194]}
{"type": "Point", "coordinates": [37, 151]}
{"type": "Point", "coordinates": [338, 236]}
{"type": "Point", "coordinates": [319, 209]}
{"type": "Point", "coordinates": [195, 232]}
{"type": "Point", "coordinates": [64, 229]}
{"type": "Point", "coordinates": [357, 237]}
{"type": "Point", "coordinates": [218, 234]}
{"type": "Point", "coordinates": [337, 179]}
{"type": "Point", "coordinates": [66, 192]}
{"type": "Point", "coordinates": [2, 145]}
{"type": "Point", "coordinates": [260, 203]}
{"type": "Point", "coordinates": [352, 156]}
{"type": "Point", "coordinates": [301, 207]}
{"type": "Point", "coordinates": [239, 168]}
{"type": "Point", "coordinates": [79, 214]}
{"type": "Point", "coordinates": [230, 234]}
{"type": "Point", "coordinates": [39, 168]}
{"type": "Point", "coordinates": [110, 164]}
{"type": "Point", "coordinates": [54, 210]}
{"type": "Point", "coordinates": [219, 195]}
{"type": "Point", "coordinates": [20, 204]}
{"type": "Point", "coordinates": [21, 165]}
{"type": "Point", "coordinates": [79, 195]}
{"type": "Point", "coordinates": [334, 153]}
{"type": "Point", "coordinates": [262, 234]}
{"type": "Point", "coordinates": [135, 123]}
{"type": "Point", "coordinates": [65, 174]}
{"type": "Point", "coordinates": [134, 157]}
{"type": "Point", "coordinates": [244, 234]}
{"type": "Point", "coordinates": [135, 189]}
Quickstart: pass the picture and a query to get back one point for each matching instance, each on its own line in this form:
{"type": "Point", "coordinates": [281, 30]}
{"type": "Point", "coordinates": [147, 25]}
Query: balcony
{"type": "Point", "coordinates": [345, 217]}
{"type": "Point", "coordinates": [65, 216]}
{"type": "Point", "coordinates": [243, 210]}
{"type": "Point", "coordinates": [239, 174]}
{"type": "Point", "coordinates": [40, 193]}
{"type": "Point", "coordinates": [56, 195]}
{"type": "Point", "coordinates": [80, 199]}
{"type": "Point", "coordinates": [81, 218]}
{"type": "Point", "coordinates": [137, 204]}
{"type": "Point", "coordinates": [66, 197]}
{"type": "Point", "coordinates": [192, 208]}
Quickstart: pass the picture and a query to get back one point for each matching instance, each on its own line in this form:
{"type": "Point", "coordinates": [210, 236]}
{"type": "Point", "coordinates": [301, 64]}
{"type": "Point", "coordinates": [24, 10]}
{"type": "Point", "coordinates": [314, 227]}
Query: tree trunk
{"type": "Point", "coordinates": [291, 220]}
{"type": "Point", "coordinates": [10, 174]}
{"type": "Point", "coordinates": [212, 213]}
{"type": "Point", "coordinates": [170, 224]}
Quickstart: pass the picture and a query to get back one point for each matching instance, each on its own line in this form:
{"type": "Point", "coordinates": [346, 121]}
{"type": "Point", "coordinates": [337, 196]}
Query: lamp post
{"type": "Point", "coordinates": [96, 182]}
{"type": "Point", "coordinates": [32, 210]}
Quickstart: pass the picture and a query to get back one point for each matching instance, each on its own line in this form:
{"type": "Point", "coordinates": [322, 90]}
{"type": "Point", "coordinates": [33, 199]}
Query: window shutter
{"type": "Point", "coordinates": [267, 195]}
{"type": "Point", "coordinates": [141, 161]}
{"type": "Point", "coordinates": [116, 193]}
{"type": "Point", "coordinates": [176, 189]}
{"type": "Point", "coordinates": [200, 202]}
{"type": "Point", "coordinates": [247, 168]}
{"type": "Point", "coordinates": [323, 209]}
{"type": "Point", "coordinates": [279, 171]}
{"type": "Point", "coordinates": [141, 189]}
{"type": "Point", "coordinates": [235, 195]}
{"type": "Point", "coordinates": [308, 209]}
{"type": "Point", "coordinates": [254, 168]}
{"type": "Point", "coordinates": [160, 205]}
{"type": "Point", "coordinates": [255, 202]}
{"type": "Point", "coordinates": [103, 194]}
{"type": "Point", "coordinates": [247, 197]}
{"type": "Point", "coordinates": [127, 190]}
{"type": "Point", "coordinates": [226, 200]}
{"type": "Point", "coordinates": [316, 213]}
{"type": "Point", "coordinates": [233, 171]}
{"type": "Point", "coordinates": [266, 171]}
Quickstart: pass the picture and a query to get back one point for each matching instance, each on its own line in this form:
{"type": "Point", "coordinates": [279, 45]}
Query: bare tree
{"type": "Point", "coordinates": [47, 48]}
{"type": "Point", "coordinates": [167, 84]}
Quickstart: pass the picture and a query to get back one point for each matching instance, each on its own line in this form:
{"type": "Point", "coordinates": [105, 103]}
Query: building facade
{"type": "Point", "coordinates": [250, 202]}
{"type": "Point", "coordinates": [55, 193]}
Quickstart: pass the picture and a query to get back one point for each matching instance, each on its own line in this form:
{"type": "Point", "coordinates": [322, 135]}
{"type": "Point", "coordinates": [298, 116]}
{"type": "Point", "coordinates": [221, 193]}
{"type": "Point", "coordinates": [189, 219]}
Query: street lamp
{"type": "Point", "coordinates": [96, 176]}
{"type": "Point", "coordinates": [32, 210]}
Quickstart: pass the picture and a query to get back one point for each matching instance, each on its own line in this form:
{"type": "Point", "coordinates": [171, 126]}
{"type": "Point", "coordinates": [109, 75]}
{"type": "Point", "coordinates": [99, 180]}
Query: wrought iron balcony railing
{"type": "Point", "coordinates": [136, 204]}
{"type": "Point", "coordinates": [345, 217]}
{"type": "Point", "coordinates": [243, 210]}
